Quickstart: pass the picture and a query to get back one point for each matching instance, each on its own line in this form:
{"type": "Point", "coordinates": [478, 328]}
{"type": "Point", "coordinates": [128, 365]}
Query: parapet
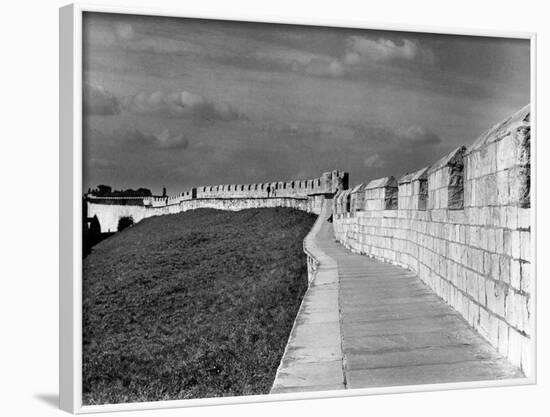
{"type": "Point", "coordinates": [326, 185]}
{"type": "Point", "coordinates": [381, 194]}
{"type": "Point", "coordinates": [446, 181]}
{"type": "Point", "coordinates": [498, 164]}
{"type": "Point", "coordinates": [358, 198]}
{"type": "Point", "coordinates": [413, 190]}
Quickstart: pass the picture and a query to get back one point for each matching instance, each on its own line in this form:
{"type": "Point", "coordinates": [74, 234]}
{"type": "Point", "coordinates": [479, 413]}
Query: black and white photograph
{"type": "Point", "coordinates": [273, 209]}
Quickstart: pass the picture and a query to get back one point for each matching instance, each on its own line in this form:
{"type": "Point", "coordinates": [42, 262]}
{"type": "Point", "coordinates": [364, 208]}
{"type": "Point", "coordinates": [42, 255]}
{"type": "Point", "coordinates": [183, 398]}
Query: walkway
{"type": "Point", "coordinates": [393, 330]}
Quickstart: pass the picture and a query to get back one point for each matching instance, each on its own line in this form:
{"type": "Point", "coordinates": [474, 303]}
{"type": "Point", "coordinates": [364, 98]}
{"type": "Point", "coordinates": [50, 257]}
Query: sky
{"type": "Point", "coordinates": [177, 103]}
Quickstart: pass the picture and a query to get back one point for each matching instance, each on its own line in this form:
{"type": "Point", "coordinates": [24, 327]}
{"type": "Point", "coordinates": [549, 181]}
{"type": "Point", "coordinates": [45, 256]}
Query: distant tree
{"type": "Point", "coordinates": [95, 227]}
{"type": "Point", "coordinates": [103, 190]}
{"type": "Point", "coordinates": [107, 191]}
{"type": "Point", "coordinates": [124, 222]}
{"type": "Point", "coordinates": [144, 192]}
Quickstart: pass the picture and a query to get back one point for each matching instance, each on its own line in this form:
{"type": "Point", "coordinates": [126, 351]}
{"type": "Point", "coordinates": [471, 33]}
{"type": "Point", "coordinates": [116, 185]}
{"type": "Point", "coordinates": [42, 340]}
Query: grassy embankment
{"type": "Point", "coordinates": [192, 305]}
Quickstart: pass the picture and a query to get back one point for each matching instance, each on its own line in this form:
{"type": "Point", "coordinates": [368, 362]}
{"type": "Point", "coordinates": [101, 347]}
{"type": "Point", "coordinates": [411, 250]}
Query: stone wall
{"type": "Point", "coordinates": [464, 226]}
{"type": "Point", "coordinates": [307, 195]}
{"type": "Point", "coordinates": [108, 215]}
{"type": "Point", "coordinates": [328, 183]}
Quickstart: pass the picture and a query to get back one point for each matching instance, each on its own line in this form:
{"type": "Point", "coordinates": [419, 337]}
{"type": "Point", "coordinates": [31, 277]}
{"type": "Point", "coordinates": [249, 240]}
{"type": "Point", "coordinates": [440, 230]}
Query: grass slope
{"type": "Point", "coordinates": [192, 305]}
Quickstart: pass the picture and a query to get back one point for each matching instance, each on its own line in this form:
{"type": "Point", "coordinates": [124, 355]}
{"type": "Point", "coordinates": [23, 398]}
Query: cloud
{"type": "Point", "coordinates": [396, 136]}
{"type": "Point", "coordinates": [359, 51]}
{"type": "Point", "coordinates": [102, 163]}
{"type": "Point", "coordinates": [361, 48]}
{"type": "Point", "coordinates": [418, 135]}
{"type": "Point", "coordinates": [373, 161]}
{"type": "Point", "coordinates": [125, 36]}
{"type": "Point", "coordinates": [165, 139]}
{"type": "Point", "coordinates": [301, 61]}
{"type": "Point", "coordinates": [325, 67]}
{"type": "Point", "coordinates": [179, 104]}
{"type": "Point", "coordinates": [98, 101]}
{"type": "Point", "coordinates": [124, 31]}
{"type": "Point", "coordinates": [300, 130]}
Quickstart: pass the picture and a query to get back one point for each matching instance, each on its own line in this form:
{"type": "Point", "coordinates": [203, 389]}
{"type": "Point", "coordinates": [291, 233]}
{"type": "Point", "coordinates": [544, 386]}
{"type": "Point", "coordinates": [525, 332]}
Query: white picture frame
{"type": "Point", "coordinates": [70, 153]}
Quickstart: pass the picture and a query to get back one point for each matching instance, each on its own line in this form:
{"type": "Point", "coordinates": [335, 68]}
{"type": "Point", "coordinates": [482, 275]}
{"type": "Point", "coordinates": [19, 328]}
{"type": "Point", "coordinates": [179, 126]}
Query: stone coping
{"type": "Point", "coordinates": [452, 158]}
{"type": "Point", "coordinates": [358, 188]}
{"type": "Point", "coordinates": [419, 175]}
{"type": "Point", "coordinates": [382, 182]}
{"type": "Point", "coordinates": [520, 118]}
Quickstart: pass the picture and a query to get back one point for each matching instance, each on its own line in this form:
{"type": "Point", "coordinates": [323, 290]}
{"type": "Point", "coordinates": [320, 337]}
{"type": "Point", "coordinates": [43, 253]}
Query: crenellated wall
{"type": "Point", "coordinates": [306, 195]}
{"type": "Point", "coordinates": [464, 226]}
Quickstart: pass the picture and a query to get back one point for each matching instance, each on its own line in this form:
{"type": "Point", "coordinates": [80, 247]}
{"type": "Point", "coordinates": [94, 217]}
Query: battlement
{"type": "Point", "coordinates": [329, 183]}
{"type": "Point", "coordinates": [307, 195]}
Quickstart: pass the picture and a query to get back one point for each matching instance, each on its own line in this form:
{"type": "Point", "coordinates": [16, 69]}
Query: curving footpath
{"type": "Point", "coordinates": [312, 360]}
{"type": "Point", "coordinates": [364, 323]}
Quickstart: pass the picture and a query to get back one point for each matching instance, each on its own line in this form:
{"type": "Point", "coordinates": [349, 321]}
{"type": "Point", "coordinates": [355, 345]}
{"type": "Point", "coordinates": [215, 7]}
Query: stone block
{"type": "Point", "coordinates": [473, 314]}
{"type": "Point", "coordinates": [485, 216]}
{"type": "Point", "coordinates": [503, 337]}
{"type": "Point", "coordinates": [474, 236]}
{"type": "Point", "coordinates": [506, 153]}
{"type": "Point", "coordinates": [476, 260]}
{"type": "Point", "coordinates": [525, 284]}
{"type": "Point", "coordinates": [495, 266]}
{"type": "Point", "coordinates": [482, 291]}
{"type": "Point", "coordinates": [456, 216]}
{"type": "Point", "coordinates": [468, 195]}
{"type": "Point", "coordinates": [496, 293]}
{"type": "Point", "coordinates": [504, 269]}
{"type": "Point", "coordinates": [491, 193]}
{"type": "Point", "coordinates": [525, 246]}
{"type": "Point", "coordinates": [499, 240]}
{"type": "Point", "coordinates": [472, 286]}
{"type": "Point", "coordinates": [503, 188]}
{"type": "Point", "coordinates": [512, 217]}
{"type": "Point", "coordinates": [491, 240]}
{"type": "Point", "coordinates": [522, 144]}
{"type": "Point", "coordinates": [515, 274]}
{"type": "Point", "coordinates": [473, 201]}
{"type": "Point", "coordinates": [472, 163]}
{"type": "Point", "coordinates": [516, 310]}
{"type": "Point", "coordinates": [507, 243]}
{"type": "Point", "coordinates": [488, 326]}
{"type": "Point", "coordinates": [497, 217]}
{"type": "Point", "coordinates": [487, 265]}
{"type": "Point", "coordinates": [520, 186]}
{"type": "Point", "coordinates": [524, 218]}
{"type": "Point", "coordinates": [514, 346]}
{"type": "Point", "coordinates": [472, 216]}
{"type": "Point", "coordinates": [516, 244]}
{"type": "Point", "coordinates": [463, 234]}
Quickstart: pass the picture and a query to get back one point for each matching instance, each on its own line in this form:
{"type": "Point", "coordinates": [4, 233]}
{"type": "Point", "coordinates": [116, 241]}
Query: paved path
{"type": "Point", "coordinates": [364, 323]}
{"type": "Point", "coordinates": [313, 356]}
{"type": "Point", "coordinates": [396, 331]}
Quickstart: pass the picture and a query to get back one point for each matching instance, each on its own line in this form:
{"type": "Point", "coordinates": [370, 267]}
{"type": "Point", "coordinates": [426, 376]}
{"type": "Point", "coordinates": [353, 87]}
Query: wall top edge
{"type": "Point", "coordinates": [452, 158]}
{"type": "Point", "coordinates": [521, 118]}
{"type": "Point", "coordinates": [419, 175]}
{"type": "Point", "coordinates": [382, 182]}
{"type": "Point", "coordinates": [358, 188]}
